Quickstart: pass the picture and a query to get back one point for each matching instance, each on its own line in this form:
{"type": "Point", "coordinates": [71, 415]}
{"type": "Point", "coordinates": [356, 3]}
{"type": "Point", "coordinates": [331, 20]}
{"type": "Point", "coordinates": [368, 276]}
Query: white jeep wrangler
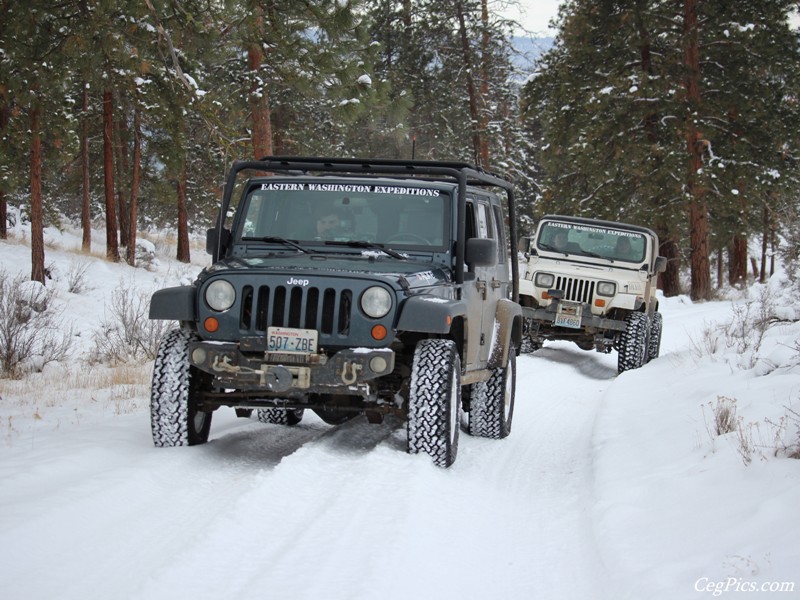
{"type": "Point", "coordinates": [594, 283]}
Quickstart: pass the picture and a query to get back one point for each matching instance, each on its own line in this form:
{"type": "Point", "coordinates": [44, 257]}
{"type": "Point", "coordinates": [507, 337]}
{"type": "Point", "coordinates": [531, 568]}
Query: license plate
{"type": "Point", "coordinates": [568, 315]}
{"type": "Point", "coordinates": [284, 339]}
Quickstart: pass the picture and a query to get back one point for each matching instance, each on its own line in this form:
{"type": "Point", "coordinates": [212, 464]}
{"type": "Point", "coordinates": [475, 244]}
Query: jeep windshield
{"type": "Point", "coordinates": [578, 239]}
{"type": "Point", "coordinates": [330, 216]}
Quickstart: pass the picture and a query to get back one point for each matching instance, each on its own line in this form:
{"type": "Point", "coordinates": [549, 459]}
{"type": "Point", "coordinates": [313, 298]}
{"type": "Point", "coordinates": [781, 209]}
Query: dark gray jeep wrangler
{"type": "Point", "coordinates": [349, 286]}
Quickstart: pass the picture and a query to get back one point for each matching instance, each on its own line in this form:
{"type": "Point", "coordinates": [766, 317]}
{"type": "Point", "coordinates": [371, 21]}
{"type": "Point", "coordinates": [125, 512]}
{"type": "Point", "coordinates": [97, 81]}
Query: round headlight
{"type": "Point", "coordinates": [376, 302]}
{"type": "Point", "coordinates": [220, 295]}
{"type": "Point", "coordinates": [606, 288]}
{"type": "Point", "coordinates": [544, 280]}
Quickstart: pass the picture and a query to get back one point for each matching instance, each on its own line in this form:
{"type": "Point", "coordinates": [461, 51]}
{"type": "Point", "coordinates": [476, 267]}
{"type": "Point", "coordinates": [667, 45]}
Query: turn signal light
{"type": "Point", "coordinates": [379, 332]}
{"type": "Point", "coordinates": [211, 324]}
{"type": "Point", "coordinates": [599, 302]}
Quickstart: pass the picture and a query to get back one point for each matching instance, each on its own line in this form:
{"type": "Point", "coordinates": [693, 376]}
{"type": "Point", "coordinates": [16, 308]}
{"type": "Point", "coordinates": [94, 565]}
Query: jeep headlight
{"type": "Point", "coordinates": [606, 288]}
{"type": "Point", "coordinates": [376, 302]}
{"type": "Point", "coordinates": [220, 295]}
{"type": "Point", "coordinates": [544, 280]}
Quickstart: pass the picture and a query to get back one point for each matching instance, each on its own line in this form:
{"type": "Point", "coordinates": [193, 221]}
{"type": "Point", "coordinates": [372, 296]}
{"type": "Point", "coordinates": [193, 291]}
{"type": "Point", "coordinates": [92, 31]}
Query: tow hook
{"type": "Point", "coordinates": [350, 379]}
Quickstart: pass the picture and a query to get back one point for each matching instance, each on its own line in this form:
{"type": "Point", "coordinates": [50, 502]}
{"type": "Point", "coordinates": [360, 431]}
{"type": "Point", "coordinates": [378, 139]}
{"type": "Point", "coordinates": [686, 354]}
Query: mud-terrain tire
{"type": "Point", "coordinates": [654, 343]}
{"type": "Point", "coordinates": [434, 401]}
{"type": "Point", "coordinates": [280, 416]}
{"type": "Point", "coordinates": [492, 403]}
{"type": "Point", "coordinates": [174, 418]}
{"type": "Point", "coordinates": [632, 350]}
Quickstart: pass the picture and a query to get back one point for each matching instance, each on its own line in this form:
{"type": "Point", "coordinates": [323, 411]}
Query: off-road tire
{"type": "Point", "coordinates": [280, 416]}
{"type": "Point", "coordinates": [434, 401]}
{"type": "Point", "coordinates": [492, 403]}
{"type": "Point", "coordinates": [632, 350]}
{"type": "Point", "coordinates": [654, 343]}
{"type": "Point", "coordinates": [528, 345]}
{"type": "Point", "coordinates": [174, 418]}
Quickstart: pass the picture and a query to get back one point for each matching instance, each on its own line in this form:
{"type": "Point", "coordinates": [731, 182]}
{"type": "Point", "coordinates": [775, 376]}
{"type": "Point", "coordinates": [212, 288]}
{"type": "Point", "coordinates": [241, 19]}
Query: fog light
{"type": "Point", "coordinates": [198, 356]}
{"type": "Point", "coordinates": [378, 364]}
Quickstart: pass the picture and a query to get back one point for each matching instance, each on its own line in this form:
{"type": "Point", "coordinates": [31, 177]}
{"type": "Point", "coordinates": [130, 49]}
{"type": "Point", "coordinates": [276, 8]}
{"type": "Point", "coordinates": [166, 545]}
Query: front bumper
{"type": "Point", "coordinates": [347, 371]}
{"type": "Point", "coordinates": [589, 321]}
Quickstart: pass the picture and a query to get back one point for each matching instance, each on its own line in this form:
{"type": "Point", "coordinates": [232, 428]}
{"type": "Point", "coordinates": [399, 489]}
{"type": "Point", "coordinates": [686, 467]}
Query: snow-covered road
{"type": "Point", "coordinates": [312, 511]}
{"type": "Point", "coordinates": [609, 487]}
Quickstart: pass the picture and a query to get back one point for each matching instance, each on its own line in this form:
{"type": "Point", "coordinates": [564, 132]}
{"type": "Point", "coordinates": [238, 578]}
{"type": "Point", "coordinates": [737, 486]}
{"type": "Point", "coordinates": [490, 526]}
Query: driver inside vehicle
{"type": "Point", "coordinates": [624, 250]}
{"type": "Point", "coordinates": [328, 225]}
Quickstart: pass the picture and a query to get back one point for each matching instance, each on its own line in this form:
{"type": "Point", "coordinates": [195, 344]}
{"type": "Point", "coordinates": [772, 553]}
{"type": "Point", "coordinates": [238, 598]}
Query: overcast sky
{"type": "Point", "coordinates": [533, 15]}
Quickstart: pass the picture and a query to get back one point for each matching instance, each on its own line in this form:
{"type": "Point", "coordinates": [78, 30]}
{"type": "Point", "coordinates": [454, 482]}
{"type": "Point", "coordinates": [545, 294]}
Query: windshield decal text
{"type": "Point", "coordinates": [349, 188]}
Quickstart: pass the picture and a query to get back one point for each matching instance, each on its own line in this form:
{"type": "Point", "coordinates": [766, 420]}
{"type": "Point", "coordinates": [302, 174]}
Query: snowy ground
{"type": "Point", "coordinates": [609, 487]}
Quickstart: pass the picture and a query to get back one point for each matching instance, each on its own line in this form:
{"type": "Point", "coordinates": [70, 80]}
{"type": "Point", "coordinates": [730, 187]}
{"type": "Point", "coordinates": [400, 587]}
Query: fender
{"type": "Point", "coordinates": [430, 314]}
{"type": "Point", "coordinates": [506, 315]}
{"type": "Point", "coordinates": [173, 304]}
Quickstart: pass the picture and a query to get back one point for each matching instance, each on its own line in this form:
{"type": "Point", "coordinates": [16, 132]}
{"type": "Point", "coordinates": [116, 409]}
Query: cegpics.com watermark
{"type": "Point", "coordinates": [738, 584]}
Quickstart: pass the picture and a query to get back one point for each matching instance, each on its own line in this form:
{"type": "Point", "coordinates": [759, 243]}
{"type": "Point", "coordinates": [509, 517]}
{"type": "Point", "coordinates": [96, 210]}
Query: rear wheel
{"type": "Point", "coordinates": [632, 350]}
{"type": "Point", "coordinates": [492, 402]}
{"type": "Point", "coordinates": [434, 401]}
{"type": "Point", "coordinates": [280, 416]}
{"type": "Point", "coordinates": [654, 343]}
{"type": "Point", "coordinates": [174, 417]}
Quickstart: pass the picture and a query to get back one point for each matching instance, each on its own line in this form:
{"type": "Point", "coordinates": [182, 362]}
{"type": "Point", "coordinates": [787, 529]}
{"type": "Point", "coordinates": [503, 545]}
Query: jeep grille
{"type": "Point", "coordinates": [576, 290]}
{"type": "Point", "coordinates": [324, 309]}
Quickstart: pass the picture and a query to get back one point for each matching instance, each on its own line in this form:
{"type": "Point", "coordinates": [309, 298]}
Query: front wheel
{"type": "Point", "coordinates": [632, 350]}
{"type": "Point", "coordinates": [434, 401]}
{"type": "Point", "coordinates": [492, 402]}
{"type": "Point", "coordinates": [174, 417]}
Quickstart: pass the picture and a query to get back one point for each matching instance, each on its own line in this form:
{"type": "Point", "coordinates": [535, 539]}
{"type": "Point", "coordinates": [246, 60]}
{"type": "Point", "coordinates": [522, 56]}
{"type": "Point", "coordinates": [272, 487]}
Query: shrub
{"type": "Point", "coordinates": [30, 333]}
{"type": "Point", "coordinates": [126, 333]}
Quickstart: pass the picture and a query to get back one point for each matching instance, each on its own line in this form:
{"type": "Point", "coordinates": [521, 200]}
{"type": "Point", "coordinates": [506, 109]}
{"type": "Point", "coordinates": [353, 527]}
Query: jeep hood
{"type": "Point", "coordinates": [401, 273]}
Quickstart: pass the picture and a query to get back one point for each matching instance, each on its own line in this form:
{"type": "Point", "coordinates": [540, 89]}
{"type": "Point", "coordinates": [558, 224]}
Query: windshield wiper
{"type": "Point", "coordinates": [553, 249]}
{"type": "Point", "coordinates": [369, 245]}
{"type": "Point", "coordinates": [279, 240]}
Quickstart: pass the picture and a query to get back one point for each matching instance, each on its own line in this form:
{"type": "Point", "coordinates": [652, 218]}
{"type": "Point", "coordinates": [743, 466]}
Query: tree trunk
{"type": "Point", "coordinates": [86, 217]}
{"type": "Point", "coordinates": [37, 221]}
{"type": "Point", "coordinates": [720, 269]}
{"type": "Point", "coordinates": [737, 263]}
{"type": "Point", "coordinates": [698, 211]}
{"type": "Point", "coordinates": [3, 202]}
{"type": "Point", "coordinates": [472, 93]}
{"type": "Point", "coordinates": [134, 204]}
{"type": "Point", "coordinates": [112, 244]}
{"type": "Point", "coordinates": [764, 243]}
{"type": "Point", "coordinates": [483, 114]}
{"type": "Point", "coordinates": [259, 106]}
{"type": "Point", "coordinates": [183, 225]}
{"type": "Point", "coordinates": [670, 281]}
{"type": "Point", "coordinates": [121, 150]}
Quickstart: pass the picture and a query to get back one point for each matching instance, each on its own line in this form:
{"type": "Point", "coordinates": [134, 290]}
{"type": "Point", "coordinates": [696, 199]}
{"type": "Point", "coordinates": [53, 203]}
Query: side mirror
{"type": "Point", "coordinates": [213, 241]}
{"type": "Point", "coordinates": [524, 245]}
{"type": "Point", "coordinates": [661, 264]}
{"type": "Point", "coordinates": [481, 252]}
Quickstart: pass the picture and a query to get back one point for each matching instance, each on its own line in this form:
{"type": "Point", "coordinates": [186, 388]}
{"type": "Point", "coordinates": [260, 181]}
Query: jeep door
{"type": "Point", "coordinates": [484, 285]}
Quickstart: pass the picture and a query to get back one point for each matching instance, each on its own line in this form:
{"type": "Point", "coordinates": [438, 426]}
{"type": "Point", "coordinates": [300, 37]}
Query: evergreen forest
{"type": "Point", "coordinates": [683, 116]}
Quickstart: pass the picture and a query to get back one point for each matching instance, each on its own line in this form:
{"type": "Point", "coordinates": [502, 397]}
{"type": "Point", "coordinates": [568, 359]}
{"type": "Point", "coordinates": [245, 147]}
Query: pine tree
{"type": "Point", "coordinates": [641, 123]}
